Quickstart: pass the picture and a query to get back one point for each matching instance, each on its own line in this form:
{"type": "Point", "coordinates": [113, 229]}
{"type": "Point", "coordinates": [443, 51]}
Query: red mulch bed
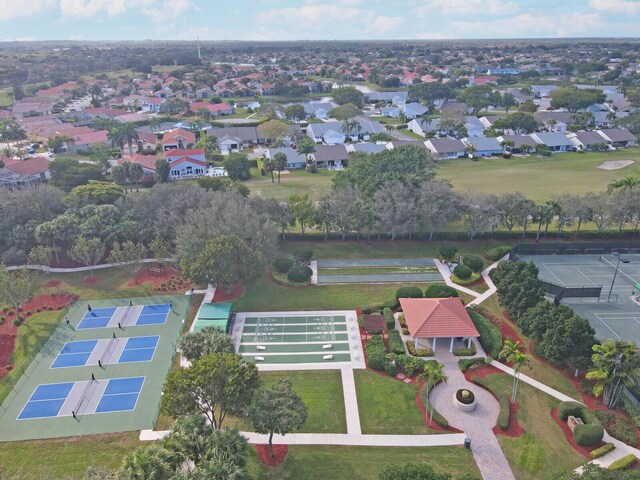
{"type": "Point", "coordinates": [514, 429]}
{"type": "Point", "coordinates": [425, 415]}
{"type": "Point", "coordinates": [92, 280]}
{"type": "Point", "coordinates": [8, 330]}
{"type": "Point", "coordinates": [222, 295]}
{"type": "Point", "coordinates": [52, 284]}
{"type": "Point", "coordinates": [279, 452]}
{"type": "Point", "coordinates": [145, 276]}
{"type": "Point", "coordinates": [482, 372]}
{"type": "Point", "coordinates": [568, 434]}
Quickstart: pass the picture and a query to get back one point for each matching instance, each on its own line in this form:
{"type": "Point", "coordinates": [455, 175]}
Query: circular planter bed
{"type": "Point", "coordinates": [465, 400]}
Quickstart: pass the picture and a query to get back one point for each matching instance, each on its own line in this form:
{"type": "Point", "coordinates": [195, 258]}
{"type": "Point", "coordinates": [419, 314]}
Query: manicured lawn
{"type": "Point", "coordinates": [536, 369]}
{"type": "Point", "coordinates": [388, 406]}
{"type": "Point", "coordinates": [65, 458]}
{"type": "Point", "coordinates": [543, 450]}
{"type": "Point", "coordinates": [359, 463]}
{"type": "Point", "coordinates": [264, 295]}
{"type": "Point", "coordinates": [538, 178]}
{"type": "Point", "coordinates": [387, 249]}
{"type": "Point", "coordinates": [321, 391]}
{"type": "Point", "coordinates": [295, 182]}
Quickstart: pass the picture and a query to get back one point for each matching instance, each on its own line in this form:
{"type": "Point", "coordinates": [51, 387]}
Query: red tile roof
{"type": "Point", "coordinates": [188, 160]}
{"type": "Point", "coordinates": [437, 317]}
{"type": "Point", "coordinates": [185, 152]}
{"type": "Point", "coordinates": [30, 166]}
{"type": "Point", "coordinates": [93, 137]}
{"type": "Point", "coordinates": [178, 132]}
{"type": "Point", "coordinates": [147, 161]}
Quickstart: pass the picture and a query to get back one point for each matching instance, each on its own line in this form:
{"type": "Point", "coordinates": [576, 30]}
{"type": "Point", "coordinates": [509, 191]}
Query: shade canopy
{"type": "Point", "coordinates": [437, 317]}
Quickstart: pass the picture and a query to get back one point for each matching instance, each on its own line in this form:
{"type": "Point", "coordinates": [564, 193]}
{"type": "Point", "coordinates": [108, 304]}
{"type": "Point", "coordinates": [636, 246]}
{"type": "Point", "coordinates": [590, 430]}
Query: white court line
{"type": "Point", "coordinates": [588, 279]}
{"type": "Point", "coordinates": [549, 270]}
{"type": "Point", "coordinates": [607, 325]}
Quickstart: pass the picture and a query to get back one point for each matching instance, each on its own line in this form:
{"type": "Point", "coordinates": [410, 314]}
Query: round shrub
{"type": "Point", "coordinates": [474, 262]}
{"type": "Point", "coordinates": [300, 274]}
{"type": "Point", "coordinates": [313, 168]}
{"type": "Point", "coordinates": [462, 272]}
{"type": "Point", "coordinates": [303, 254]}
{"type": "Point", "coordinates": [448, 253]}
{"type": "Point", "coordinates": [440, 290]}
{"type": "Point", "coordinates": [390, 369]}
{"type": "Point", "coordinates": [588, 435]}
{"type": "Point", "coordinates": [497, 253]}
{"type": "Point", "coordinates": [570, 409]}
{"type": "Point", "coordinates": [377, 360]}
{"type": "Point", "coordinates": [283, 264]}
{"type": "Point", "coordinates": [408, 292]}
{"type": "Point", "coordinates": [148, 181]}
{"type": "Point", "coordinates": [464, 396]}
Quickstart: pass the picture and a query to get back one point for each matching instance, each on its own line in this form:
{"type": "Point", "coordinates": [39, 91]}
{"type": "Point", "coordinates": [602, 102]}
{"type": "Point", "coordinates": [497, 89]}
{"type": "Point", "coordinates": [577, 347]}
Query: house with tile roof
{"type": "Point", "coordinates": [178, 139]}
{"type": "Point", "coordinates": [430, 319]}
{"type": "Point", "coordinates": [22, 174]}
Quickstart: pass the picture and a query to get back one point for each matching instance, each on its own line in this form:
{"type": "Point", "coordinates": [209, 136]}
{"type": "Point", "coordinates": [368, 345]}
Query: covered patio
{"type": "Point", "coordinates": [430, 319]}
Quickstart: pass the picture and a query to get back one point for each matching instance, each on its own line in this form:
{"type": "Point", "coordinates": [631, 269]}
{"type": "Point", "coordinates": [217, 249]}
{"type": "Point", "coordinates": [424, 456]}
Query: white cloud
{"type": "Point", "coordinates": [466, 7]}
{"type": "Point", "coordinates": [382, 24]}
{"type": "Point", "coordinates": [90, 8]}
{"type": "Point", "coordinates": [629, 7]}
{"type": "Point", "coordinates": [309, 15]}
{"type": "Point", "coordinates": [169, 10]}
{"type": "Point", "coordinates": [21, 8]}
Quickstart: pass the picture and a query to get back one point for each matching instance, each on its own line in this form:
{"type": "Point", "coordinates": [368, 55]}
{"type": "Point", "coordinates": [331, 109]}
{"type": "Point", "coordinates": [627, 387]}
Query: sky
{"type": "Point", "coordinates": [315, 19]}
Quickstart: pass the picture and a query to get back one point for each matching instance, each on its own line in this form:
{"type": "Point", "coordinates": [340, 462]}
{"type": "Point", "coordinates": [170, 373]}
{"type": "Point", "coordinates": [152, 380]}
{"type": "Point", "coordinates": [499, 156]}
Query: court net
{"type": "Point", "coordinates": [621, 274]}
{"type": "Point", "coordinates": [85, 397]}
{"type": "Point", "coordinates": [108, 352]}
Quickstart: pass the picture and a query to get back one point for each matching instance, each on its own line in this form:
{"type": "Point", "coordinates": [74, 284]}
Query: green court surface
{"type": "Point", "coordinates": [143, 411]}
{"type": "Point", "coordinates": [295, 339]}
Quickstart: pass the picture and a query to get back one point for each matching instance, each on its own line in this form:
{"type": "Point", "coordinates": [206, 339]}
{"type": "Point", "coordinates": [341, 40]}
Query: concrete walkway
{"type": "Point", "coordinates": [44, 268]}
{"type": "Point", "coordinates": [350, 402]}
{"type": "Point", "coordinates": [446, 274]}
{"type": "Point", "coordinates": [443, 440]}
{"type": "Point", "coordinates": [478, 298]}
{"type": "Point", "coordinates": [478, 424]}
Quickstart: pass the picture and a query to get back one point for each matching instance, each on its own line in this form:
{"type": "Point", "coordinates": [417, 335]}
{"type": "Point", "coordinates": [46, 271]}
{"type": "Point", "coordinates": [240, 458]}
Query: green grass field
{"type": "Point", "coordinates": [359, 463]}
{"type": "Point", "coordinates": [538, 178]}
{"type": "Point", "coordinates": [297, 181]}
{"type": "Point", "coordinates": [388, 406]}
{"type": "Point", "coordinates": [543, 450]}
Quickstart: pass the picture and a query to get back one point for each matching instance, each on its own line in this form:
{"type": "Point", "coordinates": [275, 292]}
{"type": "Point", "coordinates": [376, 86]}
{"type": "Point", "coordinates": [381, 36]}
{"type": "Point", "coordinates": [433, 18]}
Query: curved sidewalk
{"type": "Point", "coordinates": [44, 268]}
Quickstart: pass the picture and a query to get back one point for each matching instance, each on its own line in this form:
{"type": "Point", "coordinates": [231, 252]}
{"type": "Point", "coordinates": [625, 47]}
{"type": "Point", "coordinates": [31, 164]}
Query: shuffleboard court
{"type": "Point", "coordinates": [293, 340]}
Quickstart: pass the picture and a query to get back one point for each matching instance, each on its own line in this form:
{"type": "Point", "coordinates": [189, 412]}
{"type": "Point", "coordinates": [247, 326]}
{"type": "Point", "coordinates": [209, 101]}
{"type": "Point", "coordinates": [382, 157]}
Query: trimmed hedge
{"type": "Point", "coordinates": [466, 363]}
{"type": "Point", "coordinates": [472, 279]}
{"type": "Point", "coordinates": [474, 262]}
{"type": "Point", "coordinates": [389, 320]}
{"type": "Point", "coordinates": [395, 342]}
{"type": "Point", "coordinates": [303, 254]}
{"type": "Point", "coordinates": [368, 309]}
{"type": "Point", "coordinates": [462, 272]}
{"type": "Point", "coordinates": [377, 360]}
{"type": "Point", "coordinates": [300, 274]}
{"type": "Point", "coordinates": [588, 434]}
{"type": "Point", "coordinates": [490, 336]}
{"type": "Point", "coordinates": [623, 463]}
{"type": "Point", "coordinates": [283, 264]}
{"type": "Point", "coordinates": [465, 352]}
{"type": "Point", "coordinates": [408, 292]}
{"type": "Point", "coordinates": [448, 253]}
{"type": "Point", "coordinates": [420, 352]}
{"type": "Point", "coordinates": [503, 416]}
{"type": "Point", "coordinates": [565, 409]}
{"type": "Point", "coordinates": [603, 450]}
{"type": "Point", "coordinates": [496, 253]}
{"type": "Point", "coordinates": [411, 366]}
{"type": "Point", "coordinates": [440, 290]}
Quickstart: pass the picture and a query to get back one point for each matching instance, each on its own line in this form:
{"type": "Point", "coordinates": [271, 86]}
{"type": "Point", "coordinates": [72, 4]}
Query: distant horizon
{"type": "Point", "coordinates": [315, 20]}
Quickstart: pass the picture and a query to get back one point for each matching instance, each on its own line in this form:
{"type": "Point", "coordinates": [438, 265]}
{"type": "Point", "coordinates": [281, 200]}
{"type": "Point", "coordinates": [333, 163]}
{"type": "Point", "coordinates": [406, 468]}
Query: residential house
{"type": "Point", "coordinates": [414, 110]}
{"type": "Point", "coordinates": [403, 143]}
{"type": "Point", "coordinates": [318, 109]}
{"type": "Point", "coordinates": [332, 137]}
{"type": "Point", "coordinates": [388, 97]}
{"type": "Point", "coordinates": [186, 163]}
{"type": "Point", "coordinates": [178, 139]}
{"type": "Point", "coordinates": [148, 163]}
{"type": "Point", "coordinates": [474, 126]}
{"type": "Point", "coordinates": [458, 107]}
{"type": "Point", "coordinates": [618, 137]}
{"type": "Point", "coordinates": [425, 126]}
{"type": "Point", "coordinates": [518, 141]}
{"type": "Point", "coordinates": [104, 112]}
{"type": "Point", "coordinates": [446, 147]}
{"type": "Point", "coordinates": [489, 120]}
{"type": "Point", "coordinates": [367, 148]}
{"type": "Point", "coordinates": [555, 141]}
{"type": "Point", "coordinates": [330, 156]}
{"type": "Point", "coordinates": [554, 121]}
{"type": "Point", "coordinates": [483, 146]}
{"type": "Point", "coordinates": [85, 141]}
{"type": "Point", "coordinates": [248, 135]}
{"type": "Point", "coordinates": [30, 106]}
{"type": "Point", "coordinates": [22, 174]}
{"type": "Point", "coordinates": [295, 160]}
{"type": "Point", "coordinates": [214, 109]}
{"type": "Point", "coordinates": [228, 144]}
{"type": "Point", "coordinates": [586, 140]}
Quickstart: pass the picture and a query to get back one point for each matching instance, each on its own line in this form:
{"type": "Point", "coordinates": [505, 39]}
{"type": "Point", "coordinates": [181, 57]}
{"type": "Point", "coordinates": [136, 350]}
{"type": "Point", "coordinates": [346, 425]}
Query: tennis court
{"type": "Point", "coordinates": [95, 378]}
{"type": "Point", "coordinates": [127, 316]}
{"type": "Point", "coordinates": [83, 398]}
{"type": "Point", "coordinates": [297, 340]}
{"type": "Point", "coordinates": [106, 351]}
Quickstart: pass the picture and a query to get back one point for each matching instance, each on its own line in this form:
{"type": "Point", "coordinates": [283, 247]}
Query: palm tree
{"type": "Point", "coordinates": [136, 172]}
{"type": "Point", "coordinates": [154, 123]}
{"type": "Point", "coordinates": [615, 365]}
{"type": "Point", "coordinates": [356, 125]}
{"type": "Point", "coordinates": [279, 162]}
{"type": "Point", "coordinates": [347, 127]}
{"type": "Point", "coordinates": [512, 354]}
{"type": "Point", "coordinates": [389, 128]}
{"type": "Point", "coordinates": [402, 117]}
{"type": "Point", "coordinates": [611, 116]}
{"type": "Point", "coordinates": [147, 463]}
{"type": "Point", "coordinates": [129, 135]}
{"type": "Point", "coordinates": [433, 375]}
{"type": "Point", "coordinates": [624, 184]}
{"type": "Point", "coordinates": [115, 138]}
{"type": "Point", "coordinates": [11, 131]}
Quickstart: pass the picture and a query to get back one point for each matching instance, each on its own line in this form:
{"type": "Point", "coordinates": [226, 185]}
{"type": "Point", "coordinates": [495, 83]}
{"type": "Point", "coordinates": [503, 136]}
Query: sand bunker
{"type": "Point", "coordinates": [615, 164]}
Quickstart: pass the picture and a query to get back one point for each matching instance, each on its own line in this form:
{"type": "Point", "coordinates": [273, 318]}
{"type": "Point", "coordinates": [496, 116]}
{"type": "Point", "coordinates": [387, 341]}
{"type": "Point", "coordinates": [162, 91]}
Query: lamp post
{"type": "Point", "coordinates": [620, 259]}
